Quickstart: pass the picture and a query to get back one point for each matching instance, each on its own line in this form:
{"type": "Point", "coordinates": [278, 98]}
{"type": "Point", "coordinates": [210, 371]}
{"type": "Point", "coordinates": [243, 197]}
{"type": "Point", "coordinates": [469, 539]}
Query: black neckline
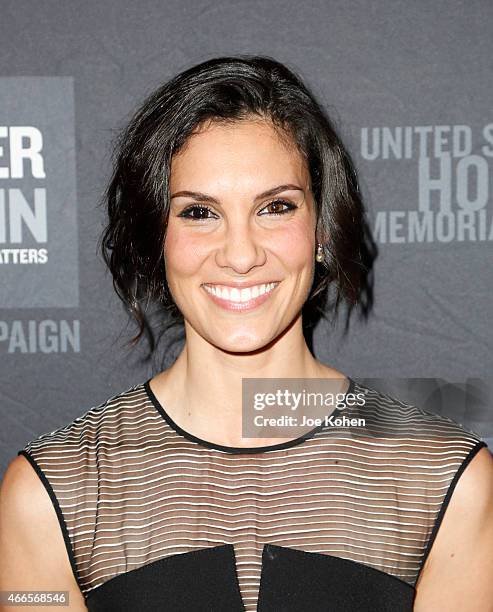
{"type": "Point", "coordinates": [237, 449]}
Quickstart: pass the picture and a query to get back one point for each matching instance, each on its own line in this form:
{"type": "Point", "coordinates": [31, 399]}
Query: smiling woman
{"type": "Point", "coordinates": [235, 208]}
{"type": "Point", "coordinates": [250, 249]}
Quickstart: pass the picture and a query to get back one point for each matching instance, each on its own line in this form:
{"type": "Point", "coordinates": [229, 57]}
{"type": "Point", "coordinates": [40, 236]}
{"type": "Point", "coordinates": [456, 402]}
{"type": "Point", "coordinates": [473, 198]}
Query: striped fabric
{"type": "Point", "coordinates": [130, 488]}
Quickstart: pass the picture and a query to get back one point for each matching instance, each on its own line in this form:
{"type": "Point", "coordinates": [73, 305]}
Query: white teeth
{"type": "Point", "coordinates": [233, 294]}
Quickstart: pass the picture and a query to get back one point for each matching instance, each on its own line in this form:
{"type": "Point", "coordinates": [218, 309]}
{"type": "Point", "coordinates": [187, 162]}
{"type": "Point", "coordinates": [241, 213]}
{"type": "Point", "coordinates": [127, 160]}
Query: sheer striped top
{"type": "Point", "coordinates": [130, 487]}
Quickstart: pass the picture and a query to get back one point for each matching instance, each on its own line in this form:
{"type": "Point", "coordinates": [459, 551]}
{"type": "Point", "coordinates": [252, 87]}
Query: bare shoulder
{"type": "Point", "coordinates": [32, 549]}
{"type": "Point", "coordinates": [24, 504]}
{"type": "Point", "coordinates": [471, 505]}
{"type": "Point", "coordinates": [22, 490]}
{"type": "Point", "coordinates": [475, 487]}
{"type": "Point", "coordinates": [458, 573]}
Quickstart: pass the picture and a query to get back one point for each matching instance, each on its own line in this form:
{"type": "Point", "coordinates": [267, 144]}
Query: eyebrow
{"type": "Point", "coordinates": [203, 197]}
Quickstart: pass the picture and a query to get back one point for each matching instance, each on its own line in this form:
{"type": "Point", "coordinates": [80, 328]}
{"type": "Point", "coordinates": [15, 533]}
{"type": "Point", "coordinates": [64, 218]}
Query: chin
{"type": "Point", "coordinates": [242, 342]}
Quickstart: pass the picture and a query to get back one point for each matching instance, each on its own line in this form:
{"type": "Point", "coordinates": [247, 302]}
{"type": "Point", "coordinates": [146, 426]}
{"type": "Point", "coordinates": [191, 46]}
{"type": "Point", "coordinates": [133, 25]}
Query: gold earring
{"type": "Point", "coordinates": [320, 256]}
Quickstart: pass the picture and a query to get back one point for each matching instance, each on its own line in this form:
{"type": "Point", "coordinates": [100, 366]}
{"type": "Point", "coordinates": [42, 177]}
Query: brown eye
{"type": "Point", "coordinates": [196, 213]}
{"type": "Point", "coordinates": [278, 207]}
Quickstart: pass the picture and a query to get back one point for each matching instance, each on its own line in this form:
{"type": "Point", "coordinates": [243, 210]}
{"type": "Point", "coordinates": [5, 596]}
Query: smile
{"type": "Point", "coordinates": [234, 298]}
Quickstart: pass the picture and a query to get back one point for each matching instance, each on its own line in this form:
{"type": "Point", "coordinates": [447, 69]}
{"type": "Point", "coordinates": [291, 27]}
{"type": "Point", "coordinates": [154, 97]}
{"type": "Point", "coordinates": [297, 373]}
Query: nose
{"type": "Point", "coordinates": [240, 250]}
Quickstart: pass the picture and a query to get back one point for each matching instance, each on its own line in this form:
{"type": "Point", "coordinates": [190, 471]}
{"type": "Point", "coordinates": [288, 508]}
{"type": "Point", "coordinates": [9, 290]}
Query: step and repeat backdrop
{"type": "Point", "coordinates": [409, 86]}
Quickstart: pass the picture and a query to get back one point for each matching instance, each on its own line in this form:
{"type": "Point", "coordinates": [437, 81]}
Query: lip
{"type": "Point", "coordinates": [243, 285]}
{"type": "Point", "coordinates": [241, 306]}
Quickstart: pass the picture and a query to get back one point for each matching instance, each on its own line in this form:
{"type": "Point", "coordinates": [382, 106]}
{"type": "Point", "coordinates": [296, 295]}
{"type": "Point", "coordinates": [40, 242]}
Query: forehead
{"type": "Point", "coordinates": [251, 150]}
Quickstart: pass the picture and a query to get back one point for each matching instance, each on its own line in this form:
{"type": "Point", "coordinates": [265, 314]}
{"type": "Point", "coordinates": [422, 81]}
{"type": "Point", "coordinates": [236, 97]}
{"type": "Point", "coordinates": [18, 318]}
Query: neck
{"type": "Point", "coordinates": [202, 390]}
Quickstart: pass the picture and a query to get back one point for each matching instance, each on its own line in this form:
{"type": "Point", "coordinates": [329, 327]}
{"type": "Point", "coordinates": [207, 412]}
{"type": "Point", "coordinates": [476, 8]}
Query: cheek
{"type": "Point", "coordinates": [183, 252]}
{"type": "Point", "coordinates": [294, 245]}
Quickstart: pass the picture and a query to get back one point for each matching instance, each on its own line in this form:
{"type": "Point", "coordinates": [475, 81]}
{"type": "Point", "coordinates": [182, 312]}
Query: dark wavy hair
{"type": "Point", "coordinates": [137, 198]}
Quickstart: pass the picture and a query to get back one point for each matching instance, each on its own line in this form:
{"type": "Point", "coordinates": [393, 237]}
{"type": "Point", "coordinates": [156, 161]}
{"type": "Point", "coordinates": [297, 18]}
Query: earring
{"type": "Point", "coordinates": [320, 256]}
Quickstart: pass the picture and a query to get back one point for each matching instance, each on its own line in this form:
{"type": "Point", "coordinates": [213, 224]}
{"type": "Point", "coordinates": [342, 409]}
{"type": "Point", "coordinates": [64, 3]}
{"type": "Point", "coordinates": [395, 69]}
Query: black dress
{"type": "Point", "coordinates": [341, 519]}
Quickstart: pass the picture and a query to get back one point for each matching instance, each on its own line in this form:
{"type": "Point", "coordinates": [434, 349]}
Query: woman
{"type": "Point", "coordinates": [234, 206]}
